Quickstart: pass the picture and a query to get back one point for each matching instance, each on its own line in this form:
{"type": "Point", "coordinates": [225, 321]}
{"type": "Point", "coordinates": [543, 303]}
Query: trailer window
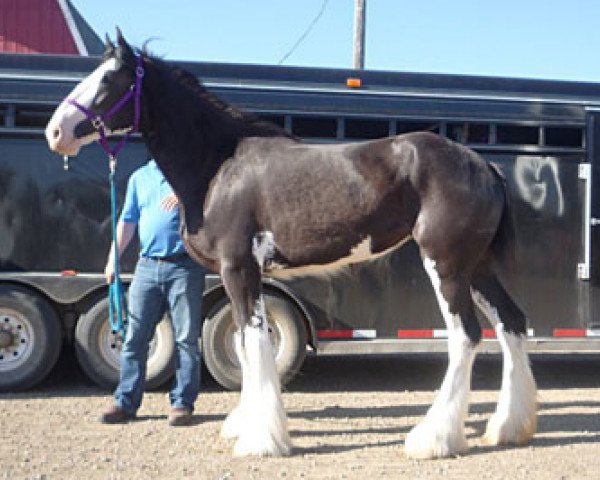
{"type": "Point", "coordinates": [407, 127]}
{"type": "Point", "coordinates": [517, 135]}
{"type": "Point", "coordinates": [314, 127]}
{"type": "Point", "coordinates": [457, 132]}
{"type": "Point", "coordinates": [33, 116]}
{"type": "Point", "coordinates": [564, 136]}
{"type": "Point", "coordinates": [468, 132]}
{"type": "Point", "coordinates": [366, 129]}
{"type": "Point", "coordinates": [276, 119]}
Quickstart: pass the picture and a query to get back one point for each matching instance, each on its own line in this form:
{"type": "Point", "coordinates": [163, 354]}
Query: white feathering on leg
{"type": "Point", "coordinates": [234, 422]}
{"type": "Point", "coordinates": [259, 422]}
{"type": "Point", "coordinates": [441, 433]}
{"type": "Point", "coordinates": [264, 430]}
{"type": "Point", "coordinates": [515, 418]}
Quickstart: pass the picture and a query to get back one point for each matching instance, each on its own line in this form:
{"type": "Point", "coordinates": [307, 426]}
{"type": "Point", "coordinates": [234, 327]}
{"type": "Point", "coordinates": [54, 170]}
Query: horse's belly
{"type": "Point", "coordinates": [360, 252]}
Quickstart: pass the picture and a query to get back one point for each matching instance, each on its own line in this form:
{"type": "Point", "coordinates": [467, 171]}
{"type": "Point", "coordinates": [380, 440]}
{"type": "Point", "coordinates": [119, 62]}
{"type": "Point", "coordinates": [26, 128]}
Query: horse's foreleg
{"type": "Point", "coordinates": [441, 432]}
{"type": "Point", "coordinates": [259, 421]}
{"type": "Point", "coordinates": [514, 421]}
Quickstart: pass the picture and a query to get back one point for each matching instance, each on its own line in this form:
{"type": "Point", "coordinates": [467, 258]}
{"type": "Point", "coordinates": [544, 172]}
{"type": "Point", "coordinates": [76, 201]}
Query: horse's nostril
{"type": "Point", "coordinates": [56, 133]}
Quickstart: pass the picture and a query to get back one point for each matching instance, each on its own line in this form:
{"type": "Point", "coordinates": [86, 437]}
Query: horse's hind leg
{"type": "Point", "coordinates": [259, 422]}
{"type": "Point", "coordinates": [514, 421]}
{"type": "Point", "coordinates": [441, 432]}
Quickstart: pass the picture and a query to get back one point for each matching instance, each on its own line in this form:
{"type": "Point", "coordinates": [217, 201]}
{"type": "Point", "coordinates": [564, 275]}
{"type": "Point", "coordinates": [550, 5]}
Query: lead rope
{"type": "Point", "coordinates": [117, 303]}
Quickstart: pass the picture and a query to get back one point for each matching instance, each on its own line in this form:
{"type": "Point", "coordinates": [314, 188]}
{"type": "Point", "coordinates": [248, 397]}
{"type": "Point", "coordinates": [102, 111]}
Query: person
{"type": "Point", "coordinates": [165, 277]}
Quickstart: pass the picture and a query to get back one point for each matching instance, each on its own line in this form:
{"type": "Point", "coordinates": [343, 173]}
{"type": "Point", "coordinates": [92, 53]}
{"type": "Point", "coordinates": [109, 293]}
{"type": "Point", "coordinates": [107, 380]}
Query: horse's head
{"type": "Point", "coordinates": [73, 124]}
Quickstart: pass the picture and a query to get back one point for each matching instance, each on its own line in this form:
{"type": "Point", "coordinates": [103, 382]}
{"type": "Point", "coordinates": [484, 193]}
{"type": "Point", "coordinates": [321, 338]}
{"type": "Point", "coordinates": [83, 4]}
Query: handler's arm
{"type": "Point", "coordinates": [125, 232]}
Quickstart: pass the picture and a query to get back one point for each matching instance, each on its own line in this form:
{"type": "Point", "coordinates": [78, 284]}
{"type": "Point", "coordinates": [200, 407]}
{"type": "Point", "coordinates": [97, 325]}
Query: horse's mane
{"type": "Point", "coordinates": [253, 124]}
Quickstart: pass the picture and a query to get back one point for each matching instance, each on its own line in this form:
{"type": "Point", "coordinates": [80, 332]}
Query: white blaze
{"type": "Point", "coordinates": [60, 129]}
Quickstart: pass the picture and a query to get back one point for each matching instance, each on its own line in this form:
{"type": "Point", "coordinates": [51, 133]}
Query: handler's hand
{"type": "Point", "coordinates": [169, 202]}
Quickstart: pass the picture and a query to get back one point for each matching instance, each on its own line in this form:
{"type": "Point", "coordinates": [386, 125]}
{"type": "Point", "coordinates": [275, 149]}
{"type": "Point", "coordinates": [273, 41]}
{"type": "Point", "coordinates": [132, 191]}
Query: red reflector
{"type": "Point", "coordinates": [68, 273]}
{"type": "Point", "coordinates": [334, 333]}
{"type": "Point", "coordinates": [489, 333]}
{"type": "Point", "coordinates": [569, 332]}
{"type": "Point", "coordinates": [354, 82]}
{"type": "Point", "coordinates": [415, 333]}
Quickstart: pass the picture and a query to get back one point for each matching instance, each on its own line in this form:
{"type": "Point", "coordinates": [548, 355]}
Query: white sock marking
{"type": "Point", "coordinates": [441, 432]}
{"type": "Point", "coordinates": [515, 418]}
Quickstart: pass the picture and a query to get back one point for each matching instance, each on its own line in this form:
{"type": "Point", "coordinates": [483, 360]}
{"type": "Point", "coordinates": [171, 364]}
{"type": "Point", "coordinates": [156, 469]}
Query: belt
{"type": "Point", "coordinates": [170, 258]}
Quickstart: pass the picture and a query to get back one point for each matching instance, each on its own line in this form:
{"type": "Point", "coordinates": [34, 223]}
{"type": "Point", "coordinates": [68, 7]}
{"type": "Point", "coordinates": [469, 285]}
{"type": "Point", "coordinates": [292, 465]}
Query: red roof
{"type": "Point", "coordinates": [45, 26]}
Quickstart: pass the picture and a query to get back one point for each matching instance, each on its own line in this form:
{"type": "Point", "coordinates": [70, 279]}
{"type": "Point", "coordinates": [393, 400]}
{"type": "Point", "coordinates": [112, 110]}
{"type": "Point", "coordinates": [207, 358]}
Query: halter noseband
{"type": "Point", "coordinates": [97, 121]}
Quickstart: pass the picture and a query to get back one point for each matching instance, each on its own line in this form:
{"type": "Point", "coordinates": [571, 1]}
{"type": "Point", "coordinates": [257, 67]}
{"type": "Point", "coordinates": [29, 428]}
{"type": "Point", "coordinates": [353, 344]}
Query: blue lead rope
{"type": "Point", "coordinates": [117, 303]}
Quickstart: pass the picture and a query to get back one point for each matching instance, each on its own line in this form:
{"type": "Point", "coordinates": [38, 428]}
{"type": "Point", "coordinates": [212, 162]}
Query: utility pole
{"type": "Point", "coordinates": [359, 34]}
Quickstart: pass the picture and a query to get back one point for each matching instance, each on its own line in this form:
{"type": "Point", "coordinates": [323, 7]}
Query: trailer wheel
{"type": "Point", "coordinates": [98, 349]}
{"type": "Point", "coordinates": [286, 330]}
{"type": "Point", "coordinates": [30, 338]}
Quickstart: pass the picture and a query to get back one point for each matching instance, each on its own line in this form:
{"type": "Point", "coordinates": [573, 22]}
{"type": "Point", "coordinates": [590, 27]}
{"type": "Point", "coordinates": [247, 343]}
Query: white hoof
{"type": "Point", "coordinates": [268, 446]}
{"type": "Point", "coordinates": [510, 431]}
{"type": "Point", "coordinates": [515, 420]}
{"type": "Point", "coordinates": [430, 440]}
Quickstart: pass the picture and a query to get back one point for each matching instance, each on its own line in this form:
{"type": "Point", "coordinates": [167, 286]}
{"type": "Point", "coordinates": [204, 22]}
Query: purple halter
{"type": "Point", "coordinates": [134, 91]}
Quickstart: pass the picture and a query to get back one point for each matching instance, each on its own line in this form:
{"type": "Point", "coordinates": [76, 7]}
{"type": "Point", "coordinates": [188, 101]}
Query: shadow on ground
{"type": "Point", "coordinates": [410, 372]}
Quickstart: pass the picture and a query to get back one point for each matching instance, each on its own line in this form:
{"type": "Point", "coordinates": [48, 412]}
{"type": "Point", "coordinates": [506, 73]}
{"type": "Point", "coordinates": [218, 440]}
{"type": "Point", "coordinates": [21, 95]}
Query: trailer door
{"type": "Point", "coordinates": [593, 148]}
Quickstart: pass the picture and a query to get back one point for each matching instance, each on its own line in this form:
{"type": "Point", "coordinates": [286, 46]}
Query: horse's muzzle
{"type": "Point", "coordinates": [60, 135]}
{"type": "Point", "coordinates": [57, 141]}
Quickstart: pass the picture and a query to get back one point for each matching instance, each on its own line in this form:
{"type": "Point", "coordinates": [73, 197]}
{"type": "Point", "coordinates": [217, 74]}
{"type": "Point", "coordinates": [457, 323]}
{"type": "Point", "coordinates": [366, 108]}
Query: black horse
{"type": "Point", "coordinates": [254, 198]}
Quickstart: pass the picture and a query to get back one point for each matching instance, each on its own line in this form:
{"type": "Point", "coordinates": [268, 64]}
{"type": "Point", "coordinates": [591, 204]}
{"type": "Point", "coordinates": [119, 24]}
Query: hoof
{"type": "Point", "coordinates": [503, 432]}
{"type": "Point", "coordinates": [245, 448]}
{"type": "Point", "coordinates": [427, 440]}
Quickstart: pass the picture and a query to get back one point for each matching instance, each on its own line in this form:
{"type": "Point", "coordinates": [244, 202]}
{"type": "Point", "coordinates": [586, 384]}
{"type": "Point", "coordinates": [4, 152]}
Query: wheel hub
{"type": "Point", "coordinates": [6, 338]}
{"type": "Point", "coordinates": [16, 340]}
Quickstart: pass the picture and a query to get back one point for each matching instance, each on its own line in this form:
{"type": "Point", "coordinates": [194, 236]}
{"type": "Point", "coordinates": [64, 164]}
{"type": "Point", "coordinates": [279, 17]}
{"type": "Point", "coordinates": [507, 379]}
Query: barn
{"type": "Point", "coordinates": [46, 26]}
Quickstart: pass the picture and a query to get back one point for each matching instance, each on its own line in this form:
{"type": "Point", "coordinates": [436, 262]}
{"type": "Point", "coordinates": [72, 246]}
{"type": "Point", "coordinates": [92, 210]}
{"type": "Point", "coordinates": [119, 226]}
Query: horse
{"type": "Point", "coordinates": [255, 199]}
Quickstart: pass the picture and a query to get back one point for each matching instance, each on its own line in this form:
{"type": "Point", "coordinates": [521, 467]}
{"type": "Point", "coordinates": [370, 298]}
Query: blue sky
{"type": "Point", "coordinates": [552, 39]}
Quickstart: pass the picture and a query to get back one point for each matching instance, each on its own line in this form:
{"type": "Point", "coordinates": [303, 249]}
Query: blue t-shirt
{"type": "Point", "coordinates": [158, 229]}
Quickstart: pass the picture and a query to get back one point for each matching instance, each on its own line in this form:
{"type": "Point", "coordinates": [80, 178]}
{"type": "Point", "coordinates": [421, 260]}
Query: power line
{"type": "Point", "coordinates": [306, 32]}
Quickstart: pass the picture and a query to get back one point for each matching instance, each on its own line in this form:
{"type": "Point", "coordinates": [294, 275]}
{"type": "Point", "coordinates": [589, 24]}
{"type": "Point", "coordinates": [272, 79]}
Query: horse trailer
{"type": "Point", "coordinates": [55, 218]}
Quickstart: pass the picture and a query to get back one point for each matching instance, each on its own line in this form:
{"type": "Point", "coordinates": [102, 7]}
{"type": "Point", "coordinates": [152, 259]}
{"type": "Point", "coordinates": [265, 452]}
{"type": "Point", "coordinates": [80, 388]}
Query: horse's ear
{"type": "Point", "coordinates": [109, 47]}
{"type": "Point", "coordinates": [126, 52]}
{"type": "Point", "coordinates": [120, 38]}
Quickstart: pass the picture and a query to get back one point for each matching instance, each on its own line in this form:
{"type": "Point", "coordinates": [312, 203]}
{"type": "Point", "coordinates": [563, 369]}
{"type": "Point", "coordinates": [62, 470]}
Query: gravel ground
{"type": "Point", "coordinates": [348, 419]}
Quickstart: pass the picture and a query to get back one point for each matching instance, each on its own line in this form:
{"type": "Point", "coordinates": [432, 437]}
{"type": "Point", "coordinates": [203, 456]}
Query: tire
{"type": "Point", "coordinates": [286, 329]}
{"type": "Point", "coordinates": [30, 338]}
{"type": "Point", "coordinates": [98, 349]}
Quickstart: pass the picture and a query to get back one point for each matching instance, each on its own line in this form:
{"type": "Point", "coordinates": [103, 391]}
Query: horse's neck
{"type": "Point", "coordinates": [188, 145]}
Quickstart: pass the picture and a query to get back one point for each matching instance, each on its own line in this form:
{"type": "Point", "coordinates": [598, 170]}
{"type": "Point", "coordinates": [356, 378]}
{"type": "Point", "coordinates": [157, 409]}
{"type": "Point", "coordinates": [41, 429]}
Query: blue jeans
{"type": "Point", "coordinates": [156, 286]}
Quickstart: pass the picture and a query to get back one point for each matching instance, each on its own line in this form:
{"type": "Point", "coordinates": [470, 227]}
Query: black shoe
{"type": "Point", "coordinates": [180, 417]}
{"type": "Point", "coordinates": [116, 414]}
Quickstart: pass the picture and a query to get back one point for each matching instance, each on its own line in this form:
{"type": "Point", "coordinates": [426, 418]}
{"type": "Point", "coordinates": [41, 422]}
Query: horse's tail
{"type": "Point", "coordinates": [503, 243]}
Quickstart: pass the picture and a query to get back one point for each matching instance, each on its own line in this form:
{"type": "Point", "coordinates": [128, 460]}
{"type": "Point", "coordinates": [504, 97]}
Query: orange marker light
{"type": "Point", "coordinates": [68, 273]}
{"type": "Point", "coordinates": [354, 82]}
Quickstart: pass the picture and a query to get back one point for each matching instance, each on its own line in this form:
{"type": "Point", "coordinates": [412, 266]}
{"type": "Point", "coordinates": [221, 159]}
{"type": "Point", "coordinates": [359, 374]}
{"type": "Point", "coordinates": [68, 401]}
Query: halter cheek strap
{"type": "Point", "coordinates": [98, 121]}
